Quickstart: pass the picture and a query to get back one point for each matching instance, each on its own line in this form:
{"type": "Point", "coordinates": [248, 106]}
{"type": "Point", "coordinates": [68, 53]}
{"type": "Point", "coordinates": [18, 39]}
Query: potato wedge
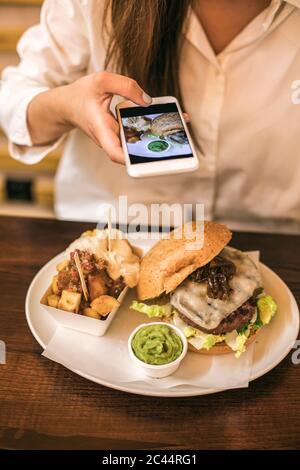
{"type": "Point", "coordinates": [54, 285]}
{"type": "Point", "coordinates": [97, 285]}
{"type": "Point", "coordinates": [104, 304]}
{"type": "Point", "coordinates": [53, 300]}
{"type": "Point", "coordinates": [62, 265]}
{"type": "Point", "coordinates": [70, 301]}
{"type": "Point", "coordinates": [90, 312]}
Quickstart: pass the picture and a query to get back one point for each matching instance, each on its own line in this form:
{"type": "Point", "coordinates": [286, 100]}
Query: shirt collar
{"type": "Point", "coordinates": [274, 9]}
{"type": "Point", "coordinates": [296, 3]}
{"type": "Point", "coordinates": [196, 35]}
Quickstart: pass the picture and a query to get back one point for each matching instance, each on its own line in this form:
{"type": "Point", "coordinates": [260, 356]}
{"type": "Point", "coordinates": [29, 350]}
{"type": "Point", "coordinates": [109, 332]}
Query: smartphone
{"type": "Point", "coordinates": [155, 139]}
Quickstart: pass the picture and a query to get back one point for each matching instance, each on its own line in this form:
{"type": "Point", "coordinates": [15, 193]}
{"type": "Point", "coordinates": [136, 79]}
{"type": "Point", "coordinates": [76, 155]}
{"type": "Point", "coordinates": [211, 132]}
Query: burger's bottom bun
{"type": "Point", "coordinates": [219, 348]}
{"type": "Point", "coordinates": [222, 348]}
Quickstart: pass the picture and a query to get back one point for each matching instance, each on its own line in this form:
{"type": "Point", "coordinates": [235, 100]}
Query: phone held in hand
{"type": "Point", "coordinates": [155, 139]}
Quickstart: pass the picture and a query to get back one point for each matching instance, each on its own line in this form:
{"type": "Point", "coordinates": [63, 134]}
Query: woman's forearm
{"type": "Point", "coordinates": [46, 116]}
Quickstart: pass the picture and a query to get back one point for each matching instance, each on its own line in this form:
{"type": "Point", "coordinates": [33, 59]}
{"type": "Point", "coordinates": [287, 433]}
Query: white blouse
{"type": "Point", "coordinates": [244, 105]}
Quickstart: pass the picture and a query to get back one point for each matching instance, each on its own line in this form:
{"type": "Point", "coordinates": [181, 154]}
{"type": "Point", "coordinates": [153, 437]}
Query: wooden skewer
{"type": "Point", "coordinates": [81, 276]}
{"type": "Point", "coordinates": [109, 229]}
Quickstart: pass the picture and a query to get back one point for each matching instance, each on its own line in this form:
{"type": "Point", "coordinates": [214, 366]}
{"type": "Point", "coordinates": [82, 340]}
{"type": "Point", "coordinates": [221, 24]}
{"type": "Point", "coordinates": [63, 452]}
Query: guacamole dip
{"type": "Point", "coordinates": [156, 344]}
{"type": "Point", "coordinates": [158, 146]}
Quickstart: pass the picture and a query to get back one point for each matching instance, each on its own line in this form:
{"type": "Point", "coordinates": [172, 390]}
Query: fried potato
{"type": "Point", "coordinates": [104, 304]}
{"type": "Point", "coordinates": [90, 312]}
{"type": "Point", "coordinates": [70, 301]}
{"type": "Point", "coordinates": [89, 233]}
{"type": "Point", "coordinates": [62, 265]}
{"type": "Point", "coordinates": [53, 300]}
{"type": "Point", "coordinates": [97, 285]}
{"type": "Point", "coordinates": [54, 285]}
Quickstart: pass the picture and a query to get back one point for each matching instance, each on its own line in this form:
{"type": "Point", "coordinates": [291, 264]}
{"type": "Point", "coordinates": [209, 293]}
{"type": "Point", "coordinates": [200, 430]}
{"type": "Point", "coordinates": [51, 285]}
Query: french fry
{"type": "Point", "coordinates": [53, 300]}
{"type": "Point", "coordinates": [62, 265]}
{"type": "Point", "coordinates": [54, 285]}
{"type": "Point", "coordinates": [90, 312]}
{"type": "Point", "coordinates": [70, 301]}
{"type": "Point", "coordinates": [97, 285]}
{"type": "Point", "coordinates": [104, 304]}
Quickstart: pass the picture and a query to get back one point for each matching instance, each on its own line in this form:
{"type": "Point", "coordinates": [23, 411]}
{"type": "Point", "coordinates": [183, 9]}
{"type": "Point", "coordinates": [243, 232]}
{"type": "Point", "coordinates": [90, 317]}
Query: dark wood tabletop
{"type": "Point", "coordinates": [45, 406]}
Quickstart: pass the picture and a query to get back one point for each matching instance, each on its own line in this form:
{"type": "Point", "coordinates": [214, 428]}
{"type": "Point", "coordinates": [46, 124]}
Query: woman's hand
{"type": "Point", "coordinates": [90, 111]}
{"type": "Point", "coordinates": [84, 104]}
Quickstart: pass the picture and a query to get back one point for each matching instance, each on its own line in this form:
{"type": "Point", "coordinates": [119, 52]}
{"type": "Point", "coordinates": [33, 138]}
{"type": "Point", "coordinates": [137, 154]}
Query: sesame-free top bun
{"type": "Point", "coordinates": [171, 260]}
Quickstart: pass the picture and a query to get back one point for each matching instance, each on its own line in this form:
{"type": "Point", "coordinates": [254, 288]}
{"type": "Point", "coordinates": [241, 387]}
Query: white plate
{"type": "Point", "coordinates": [282, 332]}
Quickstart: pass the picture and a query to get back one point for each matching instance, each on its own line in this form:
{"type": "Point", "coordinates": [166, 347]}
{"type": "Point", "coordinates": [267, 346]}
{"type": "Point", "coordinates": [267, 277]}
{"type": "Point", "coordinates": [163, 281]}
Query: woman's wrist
{"type": "Point", "coordinates": [63, 101]}
{"type": "Point", "coordinates": [47, 116]}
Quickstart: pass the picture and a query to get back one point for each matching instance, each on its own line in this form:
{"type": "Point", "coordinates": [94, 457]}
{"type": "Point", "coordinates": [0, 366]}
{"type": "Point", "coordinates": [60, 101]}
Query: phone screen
{"type": "Point", "coordinates": [155, 133]}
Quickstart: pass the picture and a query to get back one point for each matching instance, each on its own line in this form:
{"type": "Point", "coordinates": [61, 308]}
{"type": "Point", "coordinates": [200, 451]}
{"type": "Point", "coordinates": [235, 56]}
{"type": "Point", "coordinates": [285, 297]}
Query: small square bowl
{"type": "Point", "coordinates": [79, 322]}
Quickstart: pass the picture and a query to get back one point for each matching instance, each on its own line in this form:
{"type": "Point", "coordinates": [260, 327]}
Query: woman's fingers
{"type": "Point", "coordinates": [107, 134]}
{"type": "Point", "coordinates": [112, 146]}
{"type": "Point", "coordinates": [186, 117]}
{"type": "Point", "coordinates": [119, 85]}
{"type": "Point", "coordinates": [100, 124]}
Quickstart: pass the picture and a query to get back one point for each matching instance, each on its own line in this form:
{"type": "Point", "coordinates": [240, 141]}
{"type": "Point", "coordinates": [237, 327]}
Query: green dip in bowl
{"type": "Point", "coordinates": [158, 146]}
{"type": "Point", "coordinates": [157, 344]}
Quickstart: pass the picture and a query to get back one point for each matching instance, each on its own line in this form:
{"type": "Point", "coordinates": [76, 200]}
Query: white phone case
{"type": "Point", "coordinates": [163, 167]}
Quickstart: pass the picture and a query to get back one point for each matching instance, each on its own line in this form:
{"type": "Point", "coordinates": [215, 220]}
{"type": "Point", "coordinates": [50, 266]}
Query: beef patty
{"type": "Point", "coordinates": [234, 321]}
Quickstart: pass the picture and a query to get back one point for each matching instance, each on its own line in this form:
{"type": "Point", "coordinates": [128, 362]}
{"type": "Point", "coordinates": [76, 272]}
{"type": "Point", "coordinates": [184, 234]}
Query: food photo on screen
{"type": "Point", "coordinates": [154, 137]}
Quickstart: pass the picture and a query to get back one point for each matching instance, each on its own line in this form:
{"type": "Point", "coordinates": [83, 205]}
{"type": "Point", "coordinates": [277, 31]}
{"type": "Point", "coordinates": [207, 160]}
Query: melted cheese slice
{"type": "Point", "coordinates": [191, 299]}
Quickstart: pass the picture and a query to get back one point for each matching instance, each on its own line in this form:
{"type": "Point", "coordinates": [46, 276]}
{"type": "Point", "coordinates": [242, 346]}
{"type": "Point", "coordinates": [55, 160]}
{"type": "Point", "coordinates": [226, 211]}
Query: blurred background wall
{"type": "Point", "coordinates": [24, 190]}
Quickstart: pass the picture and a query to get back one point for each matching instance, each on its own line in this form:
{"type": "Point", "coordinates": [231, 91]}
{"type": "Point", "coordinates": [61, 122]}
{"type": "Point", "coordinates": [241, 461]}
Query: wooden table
{"type": "Point", "coordinates": [45, 406]}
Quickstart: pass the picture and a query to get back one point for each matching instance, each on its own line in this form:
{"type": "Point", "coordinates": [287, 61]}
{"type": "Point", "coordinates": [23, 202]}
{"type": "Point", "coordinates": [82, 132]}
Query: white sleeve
{"type": "Point", "coordinates": [53, 53]}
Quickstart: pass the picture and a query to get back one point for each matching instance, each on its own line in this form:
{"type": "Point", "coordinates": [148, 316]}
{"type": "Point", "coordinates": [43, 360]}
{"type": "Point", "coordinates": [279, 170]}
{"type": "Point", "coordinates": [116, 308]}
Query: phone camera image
{"type": "Point", "coordinates": [155, 133]}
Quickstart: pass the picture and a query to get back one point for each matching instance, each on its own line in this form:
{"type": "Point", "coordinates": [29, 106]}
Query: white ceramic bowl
{"type": "Point", "coordinates": [158, 371]}
{"type": "Point", "coordinates": [81, 323]}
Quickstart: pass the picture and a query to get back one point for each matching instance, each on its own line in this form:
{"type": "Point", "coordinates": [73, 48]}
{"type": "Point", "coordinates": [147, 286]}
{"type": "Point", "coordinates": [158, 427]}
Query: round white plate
{"type": "Point", "coordinates": [281, 332]}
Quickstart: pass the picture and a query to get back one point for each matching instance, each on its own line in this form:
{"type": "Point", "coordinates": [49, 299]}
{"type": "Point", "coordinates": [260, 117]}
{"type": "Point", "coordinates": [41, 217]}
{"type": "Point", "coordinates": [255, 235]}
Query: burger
{"type": "Point", "coordinates": [213, 293]}
{"type": "Point", "coordinates": [138, 123]}
{"type": "Point", "coordinates": [166, 125]}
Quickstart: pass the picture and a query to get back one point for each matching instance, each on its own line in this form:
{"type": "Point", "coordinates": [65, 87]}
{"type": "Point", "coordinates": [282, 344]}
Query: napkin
{"type": "Point", "coordinates": [107, 359]}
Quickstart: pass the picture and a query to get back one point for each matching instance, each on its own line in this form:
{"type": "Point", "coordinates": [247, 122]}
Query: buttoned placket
{"type": "Point", "coordinates": [215, 86]}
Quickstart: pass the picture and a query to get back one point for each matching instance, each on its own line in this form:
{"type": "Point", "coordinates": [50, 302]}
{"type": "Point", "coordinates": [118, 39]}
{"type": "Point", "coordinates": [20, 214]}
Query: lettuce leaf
{"type": "Point", "coordinates": [205, 341]}
{"type": "Point", "coordinates": [267, 308]}
{"type": "Point", "coordinates": [195, 337]}
{"type": "Point", "coordinates": [237, 341]}
{"type": "Point", "coordinates": [243, 329]}
{"type": "Point", "coordinates": [210, 340]}
{"type": "Point", "coordinates": [189, 331]}
{"type": "Point", "coordinates": [152, 311]}
{"type": "Point", "coordinates": [241, 344]}
{"type": "Point", "coordinates": [258, 324]}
